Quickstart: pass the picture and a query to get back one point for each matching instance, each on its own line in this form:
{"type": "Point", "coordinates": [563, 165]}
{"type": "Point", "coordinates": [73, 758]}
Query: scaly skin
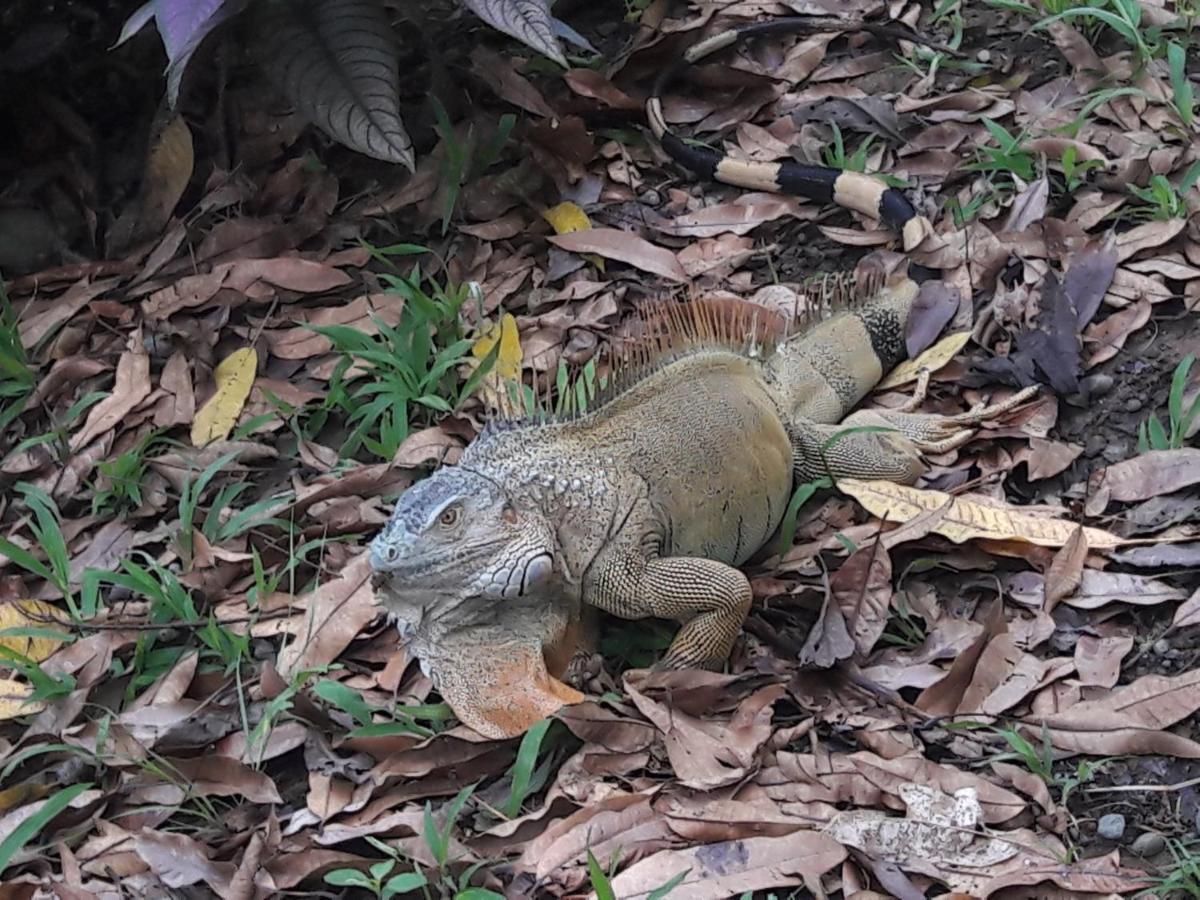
{"type": "Point", "coordinates": [642, 507]}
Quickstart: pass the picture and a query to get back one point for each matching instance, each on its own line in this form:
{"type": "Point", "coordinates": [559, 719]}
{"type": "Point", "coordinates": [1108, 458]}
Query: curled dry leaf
{"type": "Point", "coordinates": [131, 386]}
{"type": "Point", "coordinates": [862, 587]}
{"type": "Point", "coordinates": [1066, 569]}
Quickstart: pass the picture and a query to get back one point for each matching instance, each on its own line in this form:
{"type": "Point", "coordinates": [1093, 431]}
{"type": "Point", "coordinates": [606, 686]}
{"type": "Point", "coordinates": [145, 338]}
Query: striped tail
{"type": "Point", "coordinates": [850, 190]}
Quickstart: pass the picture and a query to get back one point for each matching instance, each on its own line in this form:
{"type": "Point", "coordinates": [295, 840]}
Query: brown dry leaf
{"type": "Point", "coordinates": [716, 871]}
{"type": "Point", "coordinates": [337, 611]}
{"type": "Point", "coordinates": [1098, 660]}
{"type": "Point", "coordinates": [1048, 458]}
{"type": "Point", "coordinates": [1094, 877]}
{"type": "Point", "coordinates": [360, 313]}
{"type": "Point", "coordinates": [1097, 589]}
{"type": "Point", "coordinates": [433, 444]}
{"type": "Point", "coordinates": [946, 696]}
{"type": "Point", "coordinates": [624, 821]}
{"type": "Point", "coordinates": [828, 640]}
{"type": "Point", "coordinates": [709, 753]}
{"type": "Point", "coordinates": [739, 216]}
{"type": "Point", "coordinates": [623, 246]}
{"type": "Point", "coordinates": [306, 276]}
{"type": "Point", "coordinates": [234, 376]}
{"type": "Point", "coordinates": [968, 518]}
{"type": "Point", "coordinates": [862, 587]}
{"type": "Point", "coordinates": [1066, 570]}
{"type": "Point", "coordinates": [178, 406]}
{"type": "Point", "coordinates": [1142, 237]}
{"type": "Point", "coordinates": [37, 321]}
{"type": "Point", "coordinates": [131, 385]}
{"type": "Point", "coordinates": [1128, 720]}
{"type": "Point", "coordinates": [180, 861]}
{"type": "Point", "coordinates": [1188, 613]}
{"type": "Point", "coordinates": [1151, 474]}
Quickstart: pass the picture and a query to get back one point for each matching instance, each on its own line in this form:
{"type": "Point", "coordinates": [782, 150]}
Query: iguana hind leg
{"type": "Point", "coordinates": [710, 598]}
{"type": "Point", "coordinates": [891, 443]}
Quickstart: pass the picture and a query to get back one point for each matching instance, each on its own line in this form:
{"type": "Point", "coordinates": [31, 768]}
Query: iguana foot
{"type": "Point", "coordinates": [934, 433]}
{"type": "Point", "coordinates": [888, 444]}
{"type": "Point", "coordinates": [710, 598]}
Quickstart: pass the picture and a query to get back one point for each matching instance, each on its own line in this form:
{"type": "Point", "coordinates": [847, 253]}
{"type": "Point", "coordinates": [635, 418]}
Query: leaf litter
{"type": "Point", "coordinates": [220, 372]}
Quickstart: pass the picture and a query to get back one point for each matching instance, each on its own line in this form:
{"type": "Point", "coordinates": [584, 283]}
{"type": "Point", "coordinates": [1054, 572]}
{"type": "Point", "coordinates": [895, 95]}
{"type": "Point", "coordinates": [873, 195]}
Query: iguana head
{"type": "Point", "coordinates": [459, 532]}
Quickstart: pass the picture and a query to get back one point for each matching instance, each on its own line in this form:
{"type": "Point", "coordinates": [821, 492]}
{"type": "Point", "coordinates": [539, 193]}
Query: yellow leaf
{"type": "Point", "coordinates": [234, 377]}
{"type": "Point", "coordinates": [568, 217]}
{"type": "Point", "coordinates": [30, 614]}
{"type": "Point", "coordinates": [507, 368]}
{"type": "Point", "coordinates": [508, 361]}
{"type": "Point", "coordinates": [932, 359]}
{"type": "Point", "coordinates": [14, 700]}
{"type": "Point", "coordinates": [966, 518]}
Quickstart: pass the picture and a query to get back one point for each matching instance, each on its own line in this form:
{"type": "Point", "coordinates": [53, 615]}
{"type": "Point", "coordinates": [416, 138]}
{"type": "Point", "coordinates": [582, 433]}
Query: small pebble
{"type": "Point", "coordinates": [1111, 826]}
{"type": "Point", "coordinates": [1096, 385]}
{"type": "Point", "coordinates": [1095, 445]}
{"type": "Point", "coordinates": [1161, 647]}
{"type": "Point", "coordinates": [1148, 844]}
{"type": "Point", "coordinates": [1133, 404]}
{"type": "Point", "coordinates": [984, 56]}
{"type": "Point", "coordinates": [1115, 451]}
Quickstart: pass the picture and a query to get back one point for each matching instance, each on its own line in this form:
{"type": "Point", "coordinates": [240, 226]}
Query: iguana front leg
{"type": "Point", "coordinates": [710, 598]}
{"type": "Point", "coordinates": [892, 443]}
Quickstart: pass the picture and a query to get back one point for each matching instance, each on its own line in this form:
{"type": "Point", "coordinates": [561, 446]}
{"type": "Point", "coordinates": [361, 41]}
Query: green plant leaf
{"type": "Point", "coordinates": [600, 882]}
{"type": "Point", "coordinates": [522, 770]}
{"type": "Point", "coordinates": [25, 832]}
{"type": "Point", "coordinates": [349, 878]}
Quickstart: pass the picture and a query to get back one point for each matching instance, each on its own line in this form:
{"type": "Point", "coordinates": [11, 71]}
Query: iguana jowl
{"type": "Point", "coordinates": [645, 505]}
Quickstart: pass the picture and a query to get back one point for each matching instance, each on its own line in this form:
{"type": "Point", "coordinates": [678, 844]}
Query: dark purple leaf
{"type": "Point", "coordinates": [936, 304]}
{"type": "Point", "coordinates": [1088, 279]}
{"type": "Point", "coordinates": [529, 21]}
{"type": "Point", "coordinates": [336, 61]}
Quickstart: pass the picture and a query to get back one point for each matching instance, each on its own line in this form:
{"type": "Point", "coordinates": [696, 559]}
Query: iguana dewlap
{"type": "Point", "coordinates": [643, 506]}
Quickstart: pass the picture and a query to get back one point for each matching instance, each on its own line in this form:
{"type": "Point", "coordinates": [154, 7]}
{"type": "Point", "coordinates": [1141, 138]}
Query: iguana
{"type": "Point", "coordinates": [644, 505]}
{"type": "Point", "coordinates": [682, 469]}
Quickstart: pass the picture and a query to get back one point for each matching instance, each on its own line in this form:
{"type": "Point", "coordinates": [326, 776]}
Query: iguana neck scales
{"type": "Point", "coordinates": [642, 506]}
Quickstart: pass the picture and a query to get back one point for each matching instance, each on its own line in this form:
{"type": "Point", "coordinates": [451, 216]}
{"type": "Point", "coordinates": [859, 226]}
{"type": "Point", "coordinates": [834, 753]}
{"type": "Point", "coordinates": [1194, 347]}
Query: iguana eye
{"type": "Point", "coordinates": [449, 517]}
